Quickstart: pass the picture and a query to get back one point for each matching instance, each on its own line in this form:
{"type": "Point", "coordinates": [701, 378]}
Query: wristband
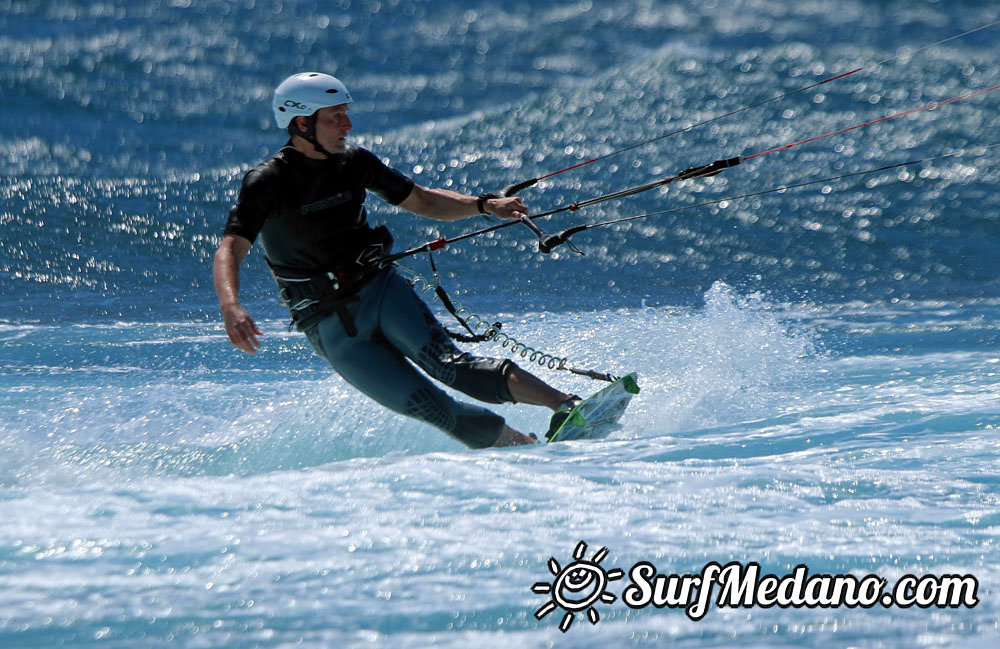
{"type": "Point", "coordinates": [481, 203]}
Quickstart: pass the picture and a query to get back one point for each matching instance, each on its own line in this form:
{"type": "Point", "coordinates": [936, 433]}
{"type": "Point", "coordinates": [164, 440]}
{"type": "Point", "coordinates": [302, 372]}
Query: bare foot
{"type": "Point", "coordinates": [510, 437]}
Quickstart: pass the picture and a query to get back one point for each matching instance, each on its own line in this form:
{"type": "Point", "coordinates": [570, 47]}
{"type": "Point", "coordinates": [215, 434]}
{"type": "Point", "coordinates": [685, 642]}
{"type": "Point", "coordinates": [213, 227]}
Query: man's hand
{"type": "Point", "coordinates": [507, 208]}
{"type": "Point", "coordinates": [241, 329]}
{"type": "Point", "coordinates": [225, 269]}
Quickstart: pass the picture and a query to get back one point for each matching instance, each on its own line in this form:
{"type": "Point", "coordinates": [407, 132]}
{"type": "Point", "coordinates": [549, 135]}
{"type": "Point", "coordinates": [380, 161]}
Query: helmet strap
{"type": "Point", "coordinates": [309, 135]}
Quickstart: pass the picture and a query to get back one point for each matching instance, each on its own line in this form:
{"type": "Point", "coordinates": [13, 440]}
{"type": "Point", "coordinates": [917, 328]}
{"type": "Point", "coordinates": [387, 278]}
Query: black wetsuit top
{"type": "Point", "coordinates": [310, 214]}
{"type": "Point", "coordinates": [311, 219]}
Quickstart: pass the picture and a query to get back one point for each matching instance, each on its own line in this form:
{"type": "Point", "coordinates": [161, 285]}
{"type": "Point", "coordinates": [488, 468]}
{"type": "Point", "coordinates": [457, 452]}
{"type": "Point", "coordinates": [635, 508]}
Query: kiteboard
{"type": "Point", "coordinates": [597, 415]}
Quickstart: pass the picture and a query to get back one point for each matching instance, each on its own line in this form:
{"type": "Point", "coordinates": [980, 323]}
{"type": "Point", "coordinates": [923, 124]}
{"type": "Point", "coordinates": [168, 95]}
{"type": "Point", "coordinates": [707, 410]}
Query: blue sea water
{"type": "Point", "coordinates": [820, 367]}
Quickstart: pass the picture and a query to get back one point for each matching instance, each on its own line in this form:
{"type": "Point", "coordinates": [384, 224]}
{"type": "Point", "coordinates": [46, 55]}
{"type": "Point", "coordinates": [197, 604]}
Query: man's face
{"type": "Point", "coordinates": [332, 127]}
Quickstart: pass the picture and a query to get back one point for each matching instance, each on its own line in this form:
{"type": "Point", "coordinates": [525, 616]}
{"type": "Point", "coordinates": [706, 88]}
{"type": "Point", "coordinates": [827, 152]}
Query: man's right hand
{"type": "Point", "coordinates": [241, 329]}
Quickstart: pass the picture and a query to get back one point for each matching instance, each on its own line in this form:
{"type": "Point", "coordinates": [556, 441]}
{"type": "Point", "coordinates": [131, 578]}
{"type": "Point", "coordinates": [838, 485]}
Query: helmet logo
{"type": "Point", "coordinates": [294, 104]}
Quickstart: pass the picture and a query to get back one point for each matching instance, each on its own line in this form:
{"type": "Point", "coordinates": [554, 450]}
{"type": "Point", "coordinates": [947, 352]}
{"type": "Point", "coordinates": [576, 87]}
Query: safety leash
{"type": "Point", "coordinates": [494, 331]}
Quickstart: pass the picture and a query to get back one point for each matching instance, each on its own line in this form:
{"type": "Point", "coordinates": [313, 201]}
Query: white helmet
{"type": "Point", "coordinates": [305, 93]}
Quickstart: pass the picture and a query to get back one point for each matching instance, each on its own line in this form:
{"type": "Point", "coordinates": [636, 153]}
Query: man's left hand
{"type": "Point", "coordinates": [507, 208]}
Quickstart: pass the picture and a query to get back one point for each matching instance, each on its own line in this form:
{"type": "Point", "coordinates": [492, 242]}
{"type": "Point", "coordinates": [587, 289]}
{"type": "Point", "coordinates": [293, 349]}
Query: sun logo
{"type": "Point", "coordinates": [577, 587]}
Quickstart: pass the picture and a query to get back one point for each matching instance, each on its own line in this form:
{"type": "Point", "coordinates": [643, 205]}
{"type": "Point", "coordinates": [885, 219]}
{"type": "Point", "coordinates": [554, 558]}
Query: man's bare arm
{"type": "Point", "coordinates": [240, 327]}
{"type": "Point", "coordinates": [445, 205]}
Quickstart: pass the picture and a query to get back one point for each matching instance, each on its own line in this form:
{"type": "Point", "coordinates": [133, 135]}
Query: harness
{"type": "Point", "coordinates": [317, 296]}
{"type": "Point", "coordinates": [308, 298]}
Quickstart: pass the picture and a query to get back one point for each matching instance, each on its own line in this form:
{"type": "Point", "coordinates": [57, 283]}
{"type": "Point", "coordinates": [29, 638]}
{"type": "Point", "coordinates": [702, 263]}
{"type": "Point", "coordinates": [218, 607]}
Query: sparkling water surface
{"type": "Point", "coordinates": [819, 366]}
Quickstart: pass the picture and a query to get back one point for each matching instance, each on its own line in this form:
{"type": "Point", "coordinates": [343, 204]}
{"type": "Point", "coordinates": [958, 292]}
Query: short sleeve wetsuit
{"type": "Point", "coordinates": [310, 217]}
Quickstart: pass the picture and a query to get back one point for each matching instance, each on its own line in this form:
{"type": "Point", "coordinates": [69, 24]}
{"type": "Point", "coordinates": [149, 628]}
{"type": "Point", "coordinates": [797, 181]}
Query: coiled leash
{"type": "Point", "coordinates": [493, 331]}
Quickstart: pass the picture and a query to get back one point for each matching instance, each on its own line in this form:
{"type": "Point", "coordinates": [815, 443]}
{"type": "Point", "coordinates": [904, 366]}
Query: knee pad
{"type": "Point", "coordinates": [483, 379]}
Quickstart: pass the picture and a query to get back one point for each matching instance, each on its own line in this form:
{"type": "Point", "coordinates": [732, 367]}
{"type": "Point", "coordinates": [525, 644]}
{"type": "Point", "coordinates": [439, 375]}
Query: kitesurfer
{"type": "Point", "coordinates": [306, 203]}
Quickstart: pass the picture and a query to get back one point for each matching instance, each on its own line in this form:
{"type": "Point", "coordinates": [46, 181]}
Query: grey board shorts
{"type": "Point", "coordinates": [396, 332]}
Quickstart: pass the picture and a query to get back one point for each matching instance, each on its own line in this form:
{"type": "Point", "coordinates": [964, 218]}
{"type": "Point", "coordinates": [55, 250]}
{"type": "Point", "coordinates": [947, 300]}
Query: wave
{"type": "Point", "coordinates": [202, 413]}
